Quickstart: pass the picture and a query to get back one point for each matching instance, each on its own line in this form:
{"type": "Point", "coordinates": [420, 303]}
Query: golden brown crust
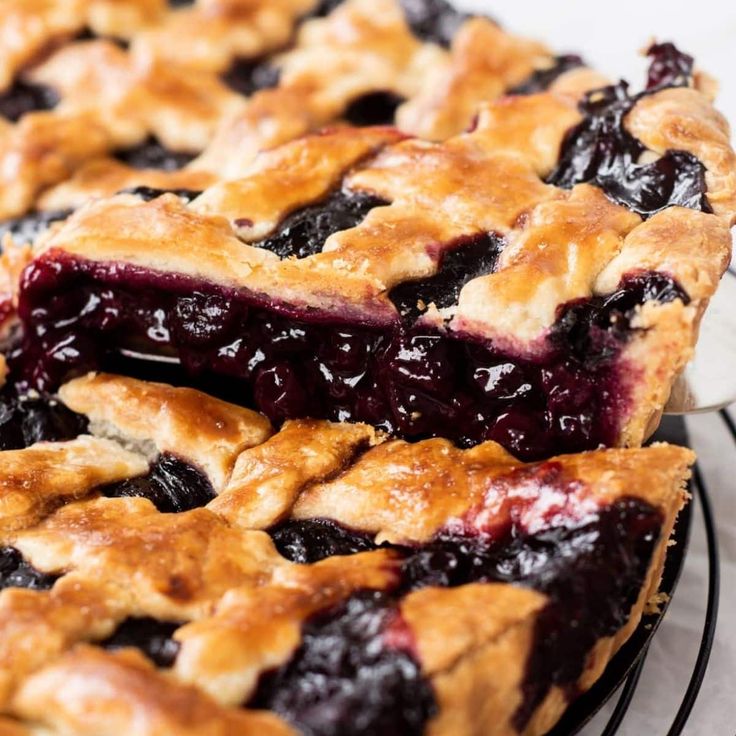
{"type": "Point", "coordinates": [308, 170]}
{"type": "Point", "coordinates": [168, 84]}
{"type": "Point", "coordinates": [260, 630]}
{"type": "Point", "coordinates": [267, 480]}
{"type": "Point", "coordinates": [36, 480]}
{"type": "Point", "coordinates": [28, 27]}
{"type": "Point", "coordinates": [89, 692]}
{"type": "Point", "coordinates": [484, 62]}
{"type": "Point", "coordinates": [207, 432]}
{"type": "Point", "coordinates": [462, 631]}
{"type": "Point", "coordinates": [242, 605]}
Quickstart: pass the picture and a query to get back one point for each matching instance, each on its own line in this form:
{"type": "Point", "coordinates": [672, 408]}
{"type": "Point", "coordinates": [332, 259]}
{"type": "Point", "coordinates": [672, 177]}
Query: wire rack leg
{"type": "Point", "coordinates": [711, 612]}
{"type": "Point", "coordinates": [624, 700]}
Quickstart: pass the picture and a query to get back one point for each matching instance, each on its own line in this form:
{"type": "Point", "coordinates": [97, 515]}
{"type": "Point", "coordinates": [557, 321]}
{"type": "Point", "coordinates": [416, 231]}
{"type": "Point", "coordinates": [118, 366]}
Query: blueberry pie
{"type": "Point", "coordinates": [173, 564]}
{"type": "Point", "coordinates": [316, 320]}
{"type": "Point", "coordinates": [123, 93]}
{"type": "Point", "coordinates": [537, 281]}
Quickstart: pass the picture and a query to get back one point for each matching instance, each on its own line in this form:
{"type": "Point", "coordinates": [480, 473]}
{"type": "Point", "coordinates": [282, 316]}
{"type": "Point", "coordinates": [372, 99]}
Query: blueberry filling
{"type": "Point", "coordinates": [152, 637]}
{"type": "Point", "coordinates": [153, 155]}
{"type": "Point", "coordinates": [324, 7]}
{"type": "Point", "coordinates": [374, 108]}
{"type": "Point", "coordinates": [24, 97]}
{"type": "Point", "coordinates": [304, 232]}
{"type": "Point", "coordinates": [542, 79]}
{"type": "Point", "coordinates": [25, 420]}
{"type": "Point", "coordinates": [414, 381]}
{"type": "Point", "coordinates": [27, 228]}
{"type": "Point", "coordinates": [471, 258]}
{"type": "Point", "coordinates": [592, 571]}
{"type": "Point", "coordinates": [171, 485]}
{"type": "Point", "coordinates": [600, 151]}
{"type": "Point", "coordinates": [310, 540]}
{"type": "Point", "coordinates": [248, 76]}
{"type": "Point", "coordinates": [346, 679]}
{"type": "Point", "coordinates": [15, 572]}
{"type": "Point", "coordinates": [669, 67]}
{"type": "Point", "coordinates": [434, 21]}
{"type": "Point", "coordinates": [149, 193]}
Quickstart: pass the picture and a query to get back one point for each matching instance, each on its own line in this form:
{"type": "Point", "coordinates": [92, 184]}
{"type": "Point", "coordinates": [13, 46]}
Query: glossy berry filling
{"type": "Point", "coordinates": [25, 420]}
{"type": "Point", "coordinates": [172, 485]}
{"type": "Point", "coordinates": [24, 97]}
{"type": "Point", "coordinates": [16, 572]}
{"type": "Point", "coordinates": [469, 259]}
{"type": "Point", "coordinates": [347, 679]}
{"type": "Point", "coordinates": [248, 76]}
{"type": "Point", "coordinates": [436, 21]}
{"type": "Point", "coordinates": [374, 108]}
{"type": "Point", "coordinates": [153, 155]}
{"type": "Point", "coordinates": [600, 151]}
{"type": "Point", "coordinates": [304, 232]}
{"type": "Point", "coordinates": [592, 570]}
{"type": "Point", "coordinates": [149, 193]}
{"type": "Point", "coordinates": [542, 79]}
{"type": "Point", "coordinates": [669, 67]}
{"type": "Point", "coordinates": [152, 637]}
{"type": "Point", "coordinates": [413, 381]}
{"type": "Point", "coordinates": [27, 228]}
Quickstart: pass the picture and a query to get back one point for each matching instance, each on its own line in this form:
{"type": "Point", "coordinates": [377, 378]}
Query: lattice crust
{"type": "Point", "coordinates": [241, 605]}
{"type": "Point", "coordinates": [169, 85]}
{"type": "Point", "coordinates": [560, 245]}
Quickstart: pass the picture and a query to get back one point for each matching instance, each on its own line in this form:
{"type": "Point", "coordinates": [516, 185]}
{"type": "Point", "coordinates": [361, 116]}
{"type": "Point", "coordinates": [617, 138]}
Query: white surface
{"type": "Point", "coordinates": [609, 36]}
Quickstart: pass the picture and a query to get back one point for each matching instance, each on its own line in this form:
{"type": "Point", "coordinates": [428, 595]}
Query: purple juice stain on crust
{"type": "Point", "coordinates": [16, 572]}
{"type": "Point", "coordinates": [27, 228]}
{"type": "Point", "coordinates": [172, 485]}
{"type": "Point", "coordinates": [151, 636]}
{"type": "Point", "coordinates": [346, 679]}
{"type": "Point", "coordinates": [592, 570]}
{"type": "Point", "coordinates": [542, 79]}
{"type": "Point", "coordinates": [304, 232]}
{"type": "Point", "coordinates": [24, 97]}
{"type": "Point", "coordinates": [414, 381]}
{"type": "Point", "coordinates": [25, 420]}
{"type": "Point", "coordinates": [432, 21]}
{"type": "Point", "coordinates": [151, 154]}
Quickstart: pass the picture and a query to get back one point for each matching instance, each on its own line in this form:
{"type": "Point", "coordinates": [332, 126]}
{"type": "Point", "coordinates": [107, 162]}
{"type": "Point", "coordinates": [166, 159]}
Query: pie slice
{"type": "Point", "coordinates": [537, 281]}
{"type": "Point", "coordinates": [202, 572]}
{"type": "Point", "coordinates": [116, 94]}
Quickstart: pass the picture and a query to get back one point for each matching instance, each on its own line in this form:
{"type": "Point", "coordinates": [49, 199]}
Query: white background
{"type": "Point", "coordinates": [609, 35]}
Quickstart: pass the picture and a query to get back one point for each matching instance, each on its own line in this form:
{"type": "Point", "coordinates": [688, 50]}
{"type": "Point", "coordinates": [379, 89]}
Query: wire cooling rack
{"type": "Point", "coordinates": [624, 671]}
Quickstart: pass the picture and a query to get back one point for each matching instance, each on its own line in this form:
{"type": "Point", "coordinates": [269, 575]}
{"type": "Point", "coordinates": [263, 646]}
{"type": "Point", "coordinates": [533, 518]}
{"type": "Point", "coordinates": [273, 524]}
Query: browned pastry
{"type": "Point", "coordinates": [508, 283]}
{"type": "Point", "coordinates": [144, 603]}
{"type": "Point", "coordinates": [158, 102]}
